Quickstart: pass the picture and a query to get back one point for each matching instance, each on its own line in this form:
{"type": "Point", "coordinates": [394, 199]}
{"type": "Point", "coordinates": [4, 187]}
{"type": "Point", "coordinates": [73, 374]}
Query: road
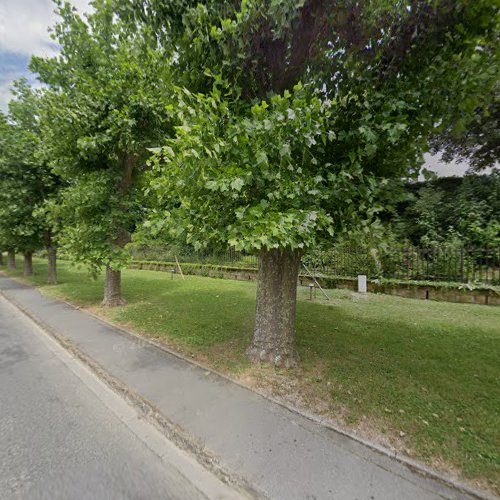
{"type": "Point", "coordinates": [64, 434]}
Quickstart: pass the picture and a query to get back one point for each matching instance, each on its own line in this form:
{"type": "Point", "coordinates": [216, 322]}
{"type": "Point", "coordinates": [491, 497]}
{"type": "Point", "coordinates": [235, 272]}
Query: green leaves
{"type": "Point", "coordinates": [237, 184]}
{"type": "Point", "coordinates": [106, 108]}
{"type": "Point", "coordinates": [25, 180]}
{"type": "Point", "coordinates": [285, 150]}
{"type": "Point", "coordinates": [260, 179]}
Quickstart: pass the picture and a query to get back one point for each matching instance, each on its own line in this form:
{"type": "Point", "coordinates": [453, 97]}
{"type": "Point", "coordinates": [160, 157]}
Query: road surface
{"type": "Point", "coordinates": [64, 434]}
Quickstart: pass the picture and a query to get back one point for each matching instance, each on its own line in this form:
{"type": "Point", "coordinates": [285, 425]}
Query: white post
{"type": "Point", "coordinates": [362, 283]}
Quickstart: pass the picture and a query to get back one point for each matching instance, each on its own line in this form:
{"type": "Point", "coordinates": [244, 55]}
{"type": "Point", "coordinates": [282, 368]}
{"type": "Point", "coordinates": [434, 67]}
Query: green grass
{"type": "Point", "coordinates": [429, 370]}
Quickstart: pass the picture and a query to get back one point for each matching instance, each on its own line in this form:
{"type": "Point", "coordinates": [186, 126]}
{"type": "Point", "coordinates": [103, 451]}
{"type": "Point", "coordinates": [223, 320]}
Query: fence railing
{"type": "Point", "coordinates": [466, 265]}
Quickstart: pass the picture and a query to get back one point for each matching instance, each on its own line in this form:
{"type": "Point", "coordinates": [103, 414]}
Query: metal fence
{"type": "Point", "coordinates": [466, 265]}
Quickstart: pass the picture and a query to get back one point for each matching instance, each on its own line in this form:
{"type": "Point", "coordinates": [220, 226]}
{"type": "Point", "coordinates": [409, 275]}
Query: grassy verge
{"type": "Point", "coordinates": [420, 376]}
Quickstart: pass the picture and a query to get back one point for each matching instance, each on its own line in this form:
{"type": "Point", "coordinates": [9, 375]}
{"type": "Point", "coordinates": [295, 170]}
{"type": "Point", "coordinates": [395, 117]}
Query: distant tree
{"type": "Point", "coordinates": [293, 117]}
{"type": "Point", "coordinates": [104, 107]}
{"type": "Point", "coordinates": [25, 180]}
{"type": "Point", "coordinates": [463, 211]}
{"type": "Point", "coordinates": [5, 243]}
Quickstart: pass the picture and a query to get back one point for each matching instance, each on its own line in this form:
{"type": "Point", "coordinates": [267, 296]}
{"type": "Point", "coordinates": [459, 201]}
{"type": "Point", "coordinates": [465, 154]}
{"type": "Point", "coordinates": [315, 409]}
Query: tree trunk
{"type": "Point", "coordinates": [1, 258]}
{"type": "Point", "coordinates": [28, 263]}
{"type": "Point", "coordinates": [113, 288]}
{"type": "Point", "coordinates": [113, 281]}
{"type": "Point", "coordinates": [52, 264]}
{"type": "Point", "coordinates": [11, 260]}
{"type": "Point", "coordinates": [274, 333]}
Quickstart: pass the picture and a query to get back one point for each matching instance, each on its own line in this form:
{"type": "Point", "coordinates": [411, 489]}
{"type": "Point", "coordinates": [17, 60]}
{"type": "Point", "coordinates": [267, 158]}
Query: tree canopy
{"type": "Point", "coordinates": [452, 210]}
{"type": "Point", "coordinates": [263, 160]}
{"type": "Point", "coordinates": [26, 182]}
{"type": "Point", "coordinates": [477, 142]}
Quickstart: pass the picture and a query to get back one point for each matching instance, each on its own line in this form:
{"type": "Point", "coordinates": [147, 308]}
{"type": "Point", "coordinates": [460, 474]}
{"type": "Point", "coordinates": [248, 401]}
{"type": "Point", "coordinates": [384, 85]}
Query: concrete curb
{"type": "Point", "coordinates": [185, 441]}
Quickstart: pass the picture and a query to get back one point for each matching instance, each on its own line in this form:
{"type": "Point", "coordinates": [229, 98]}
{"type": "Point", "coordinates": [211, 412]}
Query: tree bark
{"type": "Point", "coordinates": [52, 264]}
{"type": "Point", "coordinates": [113, 288]}
{"type": "Point", "coordinates": [113, 279]}
{"type": "Point", "coordinates": [274, 333]}
{"type": "Point", "coordinates": [1, 258]}
{"type": "Point", "coordinates": [11, 260]}
{"type": "Point", "coordinates": [28, 263]}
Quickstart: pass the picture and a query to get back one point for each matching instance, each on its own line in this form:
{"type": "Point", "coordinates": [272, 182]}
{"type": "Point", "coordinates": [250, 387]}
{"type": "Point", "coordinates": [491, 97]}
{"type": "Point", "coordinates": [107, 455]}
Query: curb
{"type": "Point", "coordinates": [185, 441]}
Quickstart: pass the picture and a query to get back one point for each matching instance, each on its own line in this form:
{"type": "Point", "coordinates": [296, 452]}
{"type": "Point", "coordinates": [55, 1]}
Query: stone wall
{"type": "Point", "coordinates": [415, 291]}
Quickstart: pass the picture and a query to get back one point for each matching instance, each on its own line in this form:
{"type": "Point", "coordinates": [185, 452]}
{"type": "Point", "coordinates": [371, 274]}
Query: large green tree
{"type": "Point", "coordinates": [293, 116]}
{"type": "Point", "coordinates": [104, 107]}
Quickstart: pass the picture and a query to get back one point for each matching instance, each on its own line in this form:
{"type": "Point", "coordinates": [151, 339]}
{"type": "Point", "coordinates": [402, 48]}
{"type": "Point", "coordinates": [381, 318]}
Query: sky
{"type": "Point", "coordinates": [442, 169]}
{"type": "Point", "coordinates": [23, 32]}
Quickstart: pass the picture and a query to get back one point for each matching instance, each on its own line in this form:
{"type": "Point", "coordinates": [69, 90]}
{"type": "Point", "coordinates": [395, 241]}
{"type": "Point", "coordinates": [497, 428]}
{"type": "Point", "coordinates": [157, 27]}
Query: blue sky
{"type": "Point", "coordinates": [23, 32]}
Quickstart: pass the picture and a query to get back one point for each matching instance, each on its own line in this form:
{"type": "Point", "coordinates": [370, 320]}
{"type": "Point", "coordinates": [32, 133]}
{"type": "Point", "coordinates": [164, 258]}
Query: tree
{"type": "Point", "coordinates": [301, 112]}
{"type": "Point", "coordinates": [104, 107]}
{"type": "Point", "coordinates": [3, 145]}
{"type": "Point", "coordinates": [474, 137]}
{"type": "Point", "coordinates": [464, 211]}
{"type": "Point", "coordinates": [24, 178]}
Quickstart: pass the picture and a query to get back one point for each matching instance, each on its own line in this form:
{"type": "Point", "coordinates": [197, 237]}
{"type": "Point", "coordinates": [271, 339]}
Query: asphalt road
{"type": "Point", "coordinates": [63, 434]}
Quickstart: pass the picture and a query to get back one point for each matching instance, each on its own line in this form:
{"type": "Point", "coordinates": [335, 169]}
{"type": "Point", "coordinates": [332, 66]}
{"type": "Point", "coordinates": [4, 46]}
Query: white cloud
{"type": "Point", "coordinates": [442, 169]}
{"type": "Point", "coordinates": [23, 32]}
{"type": "Point", "coordinates": [24, 25]}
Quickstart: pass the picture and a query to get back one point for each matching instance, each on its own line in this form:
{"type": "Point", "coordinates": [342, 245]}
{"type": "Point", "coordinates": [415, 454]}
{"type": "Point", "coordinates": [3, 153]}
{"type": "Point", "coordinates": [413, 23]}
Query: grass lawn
{"type": "Point", "coordinates": [421, 376]}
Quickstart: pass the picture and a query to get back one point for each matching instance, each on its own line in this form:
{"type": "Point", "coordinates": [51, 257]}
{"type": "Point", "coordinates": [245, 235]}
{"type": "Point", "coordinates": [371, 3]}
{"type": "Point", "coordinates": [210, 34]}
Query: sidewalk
{"type": "Point", "coordinates": [277, 453]}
